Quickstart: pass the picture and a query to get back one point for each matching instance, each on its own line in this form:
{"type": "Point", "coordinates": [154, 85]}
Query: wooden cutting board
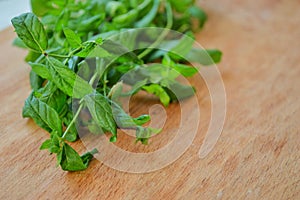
{"type": "Point", "coordinates": [256, 157]}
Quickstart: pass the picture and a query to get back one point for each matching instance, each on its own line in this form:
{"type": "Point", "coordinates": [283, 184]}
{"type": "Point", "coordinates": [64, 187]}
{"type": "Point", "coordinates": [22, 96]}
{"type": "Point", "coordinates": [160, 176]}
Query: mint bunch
{"type": "Point", "coordinates": [63, 38]}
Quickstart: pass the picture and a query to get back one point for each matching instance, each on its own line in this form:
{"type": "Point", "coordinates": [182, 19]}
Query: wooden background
{"type": "Point", "coordinates": [256, 157]}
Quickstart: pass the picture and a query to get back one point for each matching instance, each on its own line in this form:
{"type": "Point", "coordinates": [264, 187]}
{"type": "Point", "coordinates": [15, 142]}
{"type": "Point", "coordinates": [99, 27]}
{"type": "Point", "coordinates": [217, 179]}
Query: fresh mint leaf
{"type": "Point", "coordinates": [101, 111]}
{"type": "Point", "coordinates": [40, 70]}
{"type": "Point", "coordinates": [46, 144]}
{"type": "Point", "coordinates": [52, 96]}
{"type": "Point", "coordinates": [143, 134]}
{"type": "Point", "coordinates": [87, 157]}
{"type": "Point", "coordinates": [67, 81]}
{"type": "Point", "coordinates": [204, 57]}
{"type": "Point", "coordinates": [36, 82]}
{"type": "Point", "coordinates": [149, 17]}
{"type": "Point", "coordinates": [199, 14]}
{"type": "Point", "coordinates": [70, 159]}
{"type": "Point", "coordinates": [158, 91]}
{"type": "Point", "coordinates": [31, 31]}
{"type": "Point", "coordinates": [141, 120]}
{"type": "Point", "coordinates": [42, 114]}
{"type": "Point", "coordinates": [73, 39]}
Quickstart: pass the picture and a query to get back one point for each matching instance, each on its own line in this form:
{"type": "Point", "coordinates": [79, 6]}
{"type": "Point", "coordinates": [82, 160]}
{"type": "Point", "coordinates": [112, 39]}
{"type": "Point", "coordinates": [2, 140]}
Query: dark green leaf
{"type": "Point", "coordinates": [43, 115]}
{"type": "Point", "coordinates": [52, 96]}
{"type": "Point", "coordinates": [31, 31]}
{"type": "Point", "coordinates": [67, 81]}
{"type": "Point", "coordinates": [101, 111]}
{"type": "Point", "coordinates": [70, 159]}
{"type": "Point", "coordinates": [87, 157]}
{"type": "Point", "coordinates": [36, 82]}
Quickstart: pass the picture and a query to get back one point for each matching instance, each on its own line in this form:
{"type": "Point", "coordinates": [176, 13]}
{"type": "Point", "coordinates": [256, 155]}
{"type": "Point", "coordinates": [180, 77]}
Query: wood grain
{"type": "Point", "coordinates": [256, 157]}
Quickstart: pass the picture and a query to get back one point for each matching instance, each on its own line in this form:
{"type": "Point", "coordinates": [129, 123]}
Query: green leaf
{"type": "Point", "coordinates": [114, 8]}
{"type": "Point", "coordinates": [87, 157]}
{"type": "Point", "coordinates": [94, 128]}
{"type": "Point", "coordinates": [141, 120]}
{"type": "Point", "coordinates": [125, 19]}
{"type": "Point", "coordinates": [42, 114]}
{"type": "Point", "coordinates": [177, 91]}
{"type": "Point", "coordinates": [143, 134]}
{"type": "Point", "coordinates": [52, 96]}
{"type": "Point", "coordinates": [62, 20]}
{"type": "Point", "coordinates": [180, 5]}
{"type": "Point", "coordinates": [101, 111]}
{"type": "Point", "coordinates": [73, 39]}
{"type": "Point", "coordinates": [158, 91]}
{"type": "Point", "coordinates": [204, 57]}
{"type": "Point", "coordinates": [122, 119]}
{"type": "Point", "coordinates": [46, 144]}
{"type": "Point", "coordinates": [39, 7]}
{"type": "Point", "coordinates": [32, 56]}
{"type": "Point", "coordinates": [40, 70]}
{"type": "Point", "coordinates": [70, 159]}
{"type": "Point", "coordinates": [92, 49]}
{"type": "Point", "coordinates": [31, 31]}
{"type": "Point", "coordinates": [36, 82]}
{"type": "Point", "coordinates": [147, 19]}
{"type": "Point", "coordinates": [19, 43]}
{"type": "Point", "coordinates": [67, 81]}
{"type": "Point", "coordinates": [183, 46]}
{"type": "Point", "coordinates": [185, 70]}
{"type": "Point", "coordinates": [199, 14]}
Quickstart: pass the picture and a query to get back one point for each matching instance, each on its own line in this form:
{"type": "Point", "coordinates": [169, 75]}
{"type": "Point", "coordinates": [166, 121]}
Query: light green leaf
{"type": "Point", "coordinates": [46, 144]}
{"type": "Point", "coordinates": [40, 70]}
{"type": "Point", "coordinates": [158, 91]}
{"type": "Point", "coordinates": [204, 57]}
{"type": "Point", "coordinates": [185, 70]}
{"type": "Point", "coordinates": [73, 39]}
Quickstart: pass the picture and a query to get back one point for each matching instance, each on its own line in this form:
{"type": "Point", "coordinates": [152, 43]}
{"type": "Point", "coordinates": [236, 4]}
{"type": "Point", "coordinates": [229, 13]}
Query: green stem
{"type": "Point", "coordinates": [79, 109]}
{"type": "Point", "coordinates": [93, 79]}
{"type": "Point", "coordinates": [73, 120]}
{"type": "Point", "coordinates": [59, 56]}
{"type": "Point", "coordinates": [104, 82]}
{"type": "Point", "coordinates": [163, 34]}
{"type": "Point", "coordinates": [71, 54]}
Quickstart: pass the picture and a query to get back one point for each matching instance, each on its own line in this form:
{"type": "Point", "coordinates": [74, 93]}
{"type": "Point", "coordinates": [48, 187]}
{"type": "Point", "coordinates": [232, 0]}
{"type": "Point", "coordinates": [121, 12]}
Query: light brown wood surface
{"type": "Point", "coordinates": [256, 157]}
